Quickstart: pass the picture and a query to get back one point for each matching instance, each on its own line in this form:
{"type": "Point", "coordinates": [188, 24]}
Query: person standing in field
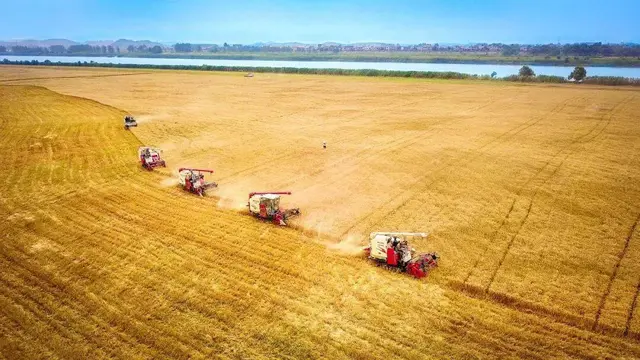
{"type": "Point", "coordinates": [324, 144]}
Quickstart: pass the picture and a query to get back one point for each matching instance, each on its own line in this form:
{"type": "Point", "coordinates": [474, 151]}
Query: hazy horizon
{"type": "Point", "coordinates": [350, 21]}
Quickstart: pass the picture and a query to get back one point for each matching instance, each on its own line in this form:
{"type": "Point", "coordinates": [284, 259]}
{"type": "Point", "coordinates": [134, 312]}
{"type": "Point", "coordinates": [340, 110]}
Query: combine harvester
{"type": "Point", "coordinates": [192, 180]}
{"type": "Point", "coordinates": [391, 251]}
{"type": "Point", "coordinates": [150, 157]}
{"type": "Point", "coordinates": [129, 121]}
{"type": "Point", "coordinates": [266, 205]}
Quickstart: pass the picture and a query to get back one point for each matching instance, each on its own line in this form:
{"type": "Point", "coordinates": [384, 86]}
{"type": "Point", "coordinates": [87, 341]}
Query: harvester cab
{"type": "Point", "coordinates": [150, 157]}
{"type": "Point", "coordinates": [266, 205]}
{"type": "Point", "coordinates": [192, 180]}
{"type": "Point", "coordinates": [129, 121]}
{"type": "Point", "coordinates": [392, 251]}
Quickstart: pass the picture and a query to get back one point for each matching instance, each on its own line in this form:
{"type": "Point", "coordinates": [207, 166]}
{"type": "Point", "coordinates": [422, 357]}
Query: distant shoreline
{"type": "Point", "coordinates": [393, 57]}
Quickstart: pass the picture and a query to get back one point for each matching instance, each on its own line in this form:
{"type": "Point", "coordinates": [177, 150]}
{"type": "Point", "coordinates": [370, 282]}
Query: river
{"type": "Point", "coordinates": [480, 69]}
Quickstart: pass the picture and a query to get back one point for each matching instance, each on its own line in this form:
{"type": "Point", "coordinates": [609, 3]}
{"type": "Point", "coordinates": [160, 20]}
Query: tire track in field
{"type": "Point", "coordinates": [521, 224]}
{"type": "Point", "coordinates": [507, 216]}
{"type": "Point", "coordinates": [523, 305]}
{"type": "Point", "coordinates": [627, 326]}
{"type": "Point", "coordinates": [604, 297]}
{"type": "Point", "coordinates": [601, 125]}
{"type": "Point", "coordinates": [511, 208]}
{"type": "Point", "coordinates": [462, 161]}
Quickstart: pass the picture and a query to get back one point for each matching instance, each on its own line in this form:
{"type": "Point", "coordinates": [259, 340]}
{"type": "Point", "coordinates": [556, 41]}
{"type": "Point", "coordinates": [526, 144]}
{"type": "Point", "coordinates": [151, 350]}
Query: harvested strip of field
{"type": "Point", "coordinates": [529, 192]}
{"type": "Point", "coordinates": [23, 73]}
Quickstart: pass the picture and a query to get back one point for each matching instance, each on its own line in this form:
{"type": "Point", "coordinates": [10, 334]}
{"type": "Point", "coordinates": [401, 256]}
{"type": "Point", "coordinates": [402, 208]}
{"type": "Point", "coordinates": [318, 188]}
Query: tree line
{"type": "Point", "coordinates": [526, 74]}
{"type": "Point", "coordinates": [549, 51]}
{"type": "Point", "coordinates": [585, 49]}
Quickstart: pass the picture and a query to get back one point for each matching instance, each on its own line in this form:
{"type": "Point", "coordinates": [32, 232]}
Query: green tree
{"type": "Point", "coordinates": [526, 71]}
{"type": "Point", "coordinates": [578, 74]}
{"type": "Point", "coordinates": [494, 74]}
{"type": "Point", "coordinates": [131, 48]}
{"type": "Point", "coordinates": [156, 50]}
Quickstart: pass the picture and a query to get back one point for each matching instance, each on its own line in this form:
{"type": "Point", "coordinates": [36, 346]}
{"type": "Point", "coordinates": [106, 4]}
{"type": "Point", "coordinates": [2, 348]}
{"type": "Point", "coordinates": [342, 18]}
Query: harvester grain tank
{"type": "Point", "coordinates": [192, 180]}
{"type": "Point", "coordinates": [391, 250]}
{"type": "Point", "coordinates": [266, 205]}
{"type": "Point", "coordinates": [150, 157]}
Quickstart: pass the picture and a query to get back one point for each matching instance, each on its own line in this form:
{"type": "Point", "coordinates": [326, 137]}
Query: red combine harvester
{"type": "Point", "coordinates": [266, 205]}
{"type": "Point", "coordinates": [391, 250]}
{"type": "Point", "coordinates": [150, 157]}
{"type": "Point", "coordinates": [192, 180]}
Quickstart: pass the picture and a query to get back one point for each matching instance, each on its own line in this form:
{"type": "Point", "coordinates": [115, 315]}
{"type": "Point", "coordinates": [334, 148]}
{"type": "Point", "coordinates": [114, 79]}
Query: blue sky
{"type": "Point", "coordinates": [346, 21]}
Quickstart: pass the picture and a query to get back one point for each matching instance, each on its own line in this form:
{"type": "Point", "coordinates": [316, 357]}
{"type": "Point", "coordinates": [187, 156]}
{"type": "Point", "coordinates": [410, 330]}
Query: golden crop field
{"type": "Point", "coordinates": [531, 195]}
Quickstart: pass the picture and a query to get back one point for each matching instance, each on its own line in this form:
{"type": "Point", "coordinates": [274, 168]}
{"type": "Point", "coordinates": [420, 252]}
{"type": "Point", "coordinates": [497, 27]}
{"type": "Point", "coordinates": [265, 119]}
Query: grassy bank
{"type": "Point", "coordinates": [600, 80]}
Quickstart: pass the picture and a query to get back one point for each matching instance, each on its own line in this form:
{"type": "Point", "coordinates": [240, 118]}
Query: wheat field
{"type": "Point", "coordinates": [531, 195]}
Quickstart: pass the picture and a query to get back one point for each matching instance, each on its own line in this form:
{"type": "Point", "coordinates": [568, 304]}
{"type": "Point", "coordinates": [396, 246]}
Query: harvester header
{"type": "Point", "coordinates": [270, 193]}
{"type": "Point", "coordinates": [398, 234]}
{"type": "Point", "coordinates": [200, 170]}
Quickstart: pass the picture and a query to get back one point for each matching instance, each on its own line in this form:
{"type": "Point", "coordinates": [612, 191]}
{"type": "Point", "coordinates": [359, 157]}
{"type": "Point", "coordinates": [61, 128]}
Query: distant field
{"type": "Point", "coordinates": [531, 194]}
